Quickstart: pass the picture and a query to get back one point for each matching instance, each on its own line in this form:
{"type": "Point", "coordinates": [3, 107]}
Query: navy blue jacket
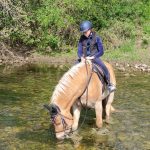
{"type": "Point", "coordinates": [100, 50]}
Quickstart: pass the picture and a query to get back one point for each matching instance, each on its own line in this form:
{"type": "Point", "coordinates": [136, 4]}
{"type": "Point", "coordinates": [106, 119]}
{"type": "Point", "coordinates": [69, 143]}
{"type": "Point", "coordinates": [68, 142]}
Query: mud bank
{"type": "Point", "coordinates": [58, 61]}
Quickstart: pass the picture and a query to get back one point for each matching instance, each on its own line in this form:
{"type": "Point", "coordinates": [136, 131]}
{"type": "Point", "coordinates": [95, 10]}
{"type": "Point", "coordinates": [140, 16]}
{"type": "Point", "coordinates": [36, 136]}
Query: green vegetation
{"type": "Point", "coordinates": [53, 26]}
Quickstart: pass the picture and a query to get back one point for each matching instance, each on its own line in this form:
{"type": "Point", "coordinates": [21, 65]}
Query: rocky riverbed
{"type": "Point", "coordinates": [132, 67]}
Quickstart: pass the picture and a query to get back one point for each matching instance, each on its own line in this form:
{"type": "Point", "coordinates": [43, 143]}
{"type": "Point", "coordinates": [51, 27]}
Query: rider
{"type": "Point", "coordinates": [90, 47]}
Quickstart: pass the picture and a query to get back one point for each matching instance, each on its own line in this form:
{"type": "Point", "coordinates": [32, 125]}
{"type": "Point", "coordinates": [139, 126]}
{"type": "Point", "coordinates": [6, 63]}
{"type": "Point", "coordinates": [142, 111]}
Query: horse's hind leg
{"type": "Point", "coordinates": [76, 115]}
{"type": "Point", "coordinates": [108, 106]}
{"type": "Point", "coordinates": [98, 110]}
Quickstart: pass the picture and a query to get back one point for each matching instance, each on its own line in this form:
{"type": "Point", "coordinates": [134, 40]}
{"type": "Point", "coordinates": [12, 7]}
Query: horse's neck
{"type": "Point", "coordinates": [75, 89]}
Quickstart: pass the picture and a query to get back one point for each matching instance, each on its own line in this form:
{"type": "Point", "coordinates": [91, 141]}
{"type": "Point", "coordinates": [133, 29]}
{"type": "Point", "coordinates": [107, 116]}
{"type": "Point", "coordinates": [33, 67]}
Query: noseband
{"type": "Point", "coordinates": [54, 114]}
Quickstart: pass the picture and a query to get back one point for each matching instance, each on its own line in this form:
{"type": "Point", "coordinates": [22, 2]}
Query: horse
{"type": "Point", "coordinates": [79, 86]}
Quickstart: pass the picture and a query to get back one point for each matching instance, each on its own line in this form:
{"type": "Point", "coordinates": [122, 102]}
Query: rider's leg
{"type": "Point", "coordinates": [111, 87]}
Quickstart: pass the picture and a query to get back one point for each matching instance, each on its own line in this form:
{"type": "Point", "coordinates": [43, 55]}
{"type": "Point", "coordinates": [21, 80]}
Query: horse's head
{"type": "Point", "coordinates": [62, 122]}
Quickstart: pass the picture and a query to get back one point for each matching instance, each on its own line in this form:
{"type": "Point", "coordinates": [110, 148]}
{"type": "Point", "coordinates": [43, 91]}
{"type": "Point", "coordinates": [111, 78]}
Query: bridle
{"type": "Point", "coordinates": [54, 115]}
{"type": "Point", "coordinates": [57, 112]}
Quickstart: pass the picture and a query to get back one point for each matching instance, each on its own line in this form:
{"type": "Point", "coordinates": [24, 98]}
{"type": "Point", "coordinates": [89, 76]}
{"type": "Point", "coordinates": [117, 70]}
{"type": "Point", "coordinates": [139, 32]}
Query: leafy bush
{"type": "Point", "coordinates": [54, 24]}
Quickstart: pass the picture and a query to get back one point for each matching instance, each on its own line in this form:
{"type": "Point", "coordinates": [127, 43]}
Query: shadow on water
{"type": "Point", "coordinates": [24, 123]}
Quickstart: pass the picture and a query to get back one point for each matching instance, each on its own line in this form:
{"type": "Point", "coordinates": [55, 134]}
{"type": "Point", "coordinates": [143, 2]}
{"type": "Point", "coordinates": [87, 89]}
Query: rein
{"type": "Point", "coordinates": [65, 125]}
{"type": "Point", "coordinates": [86, 88]}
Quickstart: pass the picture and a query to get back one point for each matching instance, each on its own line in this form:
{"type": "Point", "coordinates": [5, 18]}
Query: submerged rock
{"type": "Point", "coordinates": [102, 131]}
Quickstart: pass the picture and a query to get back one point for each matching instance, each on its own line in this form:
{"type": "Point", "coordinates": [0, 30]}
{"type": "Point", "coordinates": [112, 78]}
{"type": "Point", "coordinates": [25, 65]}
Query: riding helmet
{"type": "Point", "coordinates": [85, 26]}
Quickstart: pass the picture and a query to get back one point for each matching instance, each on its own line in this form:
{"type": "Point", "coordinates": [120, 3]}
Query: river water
{"type": "Point", "coordinates": [24, 123]}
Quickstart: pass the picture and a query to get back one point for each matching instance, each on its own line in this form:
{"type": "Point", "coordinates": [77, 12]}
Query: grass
{"type": "Point", "coordinates": [70, 52]}
{"type": "Point", "coordinates": [129, 52]}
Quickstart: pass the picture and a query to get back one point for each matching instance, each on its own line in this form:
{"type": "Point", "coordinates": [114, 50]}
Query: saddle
{"type": "Point", "coordinates": [97, 69]}
{"type": "Point", "coordinates": [99, 73]}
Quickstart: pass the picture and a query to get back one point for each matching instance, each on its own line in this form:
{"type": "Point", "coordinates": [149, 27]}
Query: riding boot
{"type": "Point", "coordinates": [111, 87]}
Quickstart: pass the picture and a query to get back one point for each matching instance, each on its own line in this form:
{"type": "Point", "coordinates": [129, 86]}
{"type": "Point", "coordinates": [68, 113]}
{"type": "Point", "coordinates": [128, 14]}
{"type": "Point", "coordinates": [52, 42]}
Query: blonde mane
{"type": "Point", "coordinates": [66, 80]}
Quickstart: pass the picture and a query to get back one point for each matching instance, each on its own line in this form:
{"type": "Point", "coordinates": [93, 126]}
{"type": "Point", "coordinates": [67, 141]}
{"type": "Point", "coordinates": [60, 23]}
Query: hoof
{"type": "Point", "coordinates": [109, 121]}
{"type": "Point", "coordinates": [103, 131]}
{"type": "Point", "coordinates": [75, 137]}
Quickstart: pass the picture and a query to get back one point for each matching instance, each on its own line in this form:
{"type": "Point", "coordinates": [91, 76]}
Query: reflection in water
{"type": "Point", "coordinates": [24, 123]}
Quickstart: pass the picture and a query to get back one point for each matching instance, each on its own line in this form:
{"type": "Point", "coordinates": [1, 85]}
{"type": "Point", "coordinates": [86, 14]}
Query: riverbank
{"type": "Point", "coordinates": [65, 60]}
{"type": "Point", "coordinates": [122, 62]}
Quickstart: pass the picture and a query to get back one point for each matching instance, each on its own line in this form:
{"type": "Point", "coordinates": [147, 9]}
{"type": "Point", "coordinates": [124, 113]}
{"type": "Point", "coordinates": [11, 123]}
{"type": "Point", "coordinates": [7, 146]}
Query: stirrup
{"type": "Point", "coordinates": [111, 88]}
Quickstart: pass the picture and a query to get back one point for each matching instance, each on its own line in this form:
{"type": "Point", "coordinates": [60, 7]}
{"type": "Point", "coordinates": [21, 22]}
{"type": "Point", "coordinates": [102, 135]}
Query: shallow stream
{"type": "Point", "coordinates": [24, 123]}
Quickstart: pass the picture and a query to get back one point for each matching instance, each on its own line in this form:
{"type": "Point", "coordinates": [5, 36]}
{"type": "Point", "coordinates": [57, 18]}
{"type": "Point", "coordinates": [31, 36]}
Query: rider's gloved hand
{"type": "Point", "coordinates": [90, 57]}
{"type": "Point", "coordinates": [82, 59]}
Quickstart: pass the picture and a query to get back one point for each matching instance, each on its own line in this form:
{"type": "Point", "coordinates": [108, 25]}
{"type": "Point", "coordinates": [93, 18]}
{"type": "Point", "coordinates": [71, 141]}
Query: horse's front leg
{"type": "Point", "coordinates": [76, 115]}
{"type": "Point", "coordinates": [108, 107]}
{"type": "Point", "coordinates": [98, 110]}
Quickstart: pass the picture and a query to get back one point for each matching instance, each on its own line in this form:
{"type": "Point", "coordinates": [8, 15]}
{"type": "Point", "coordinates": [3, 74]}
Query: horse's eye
{"type": "Point", "coordinates": [54, 111]}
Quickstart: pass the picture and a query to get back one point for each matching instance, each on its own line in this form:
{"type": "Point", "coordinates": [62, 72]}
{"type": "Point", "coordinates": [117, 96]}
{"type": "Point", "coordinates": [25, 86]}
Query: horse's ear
{"type": "Point", "coordinates": [54, 110]}
{"type": "Point", "coordinates": [47, 107]}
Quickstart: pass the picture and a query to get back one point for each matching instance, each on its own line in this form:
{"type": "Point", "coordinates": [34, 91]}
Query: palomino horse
{"type": "Point", "coordinates": [80, 85]}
